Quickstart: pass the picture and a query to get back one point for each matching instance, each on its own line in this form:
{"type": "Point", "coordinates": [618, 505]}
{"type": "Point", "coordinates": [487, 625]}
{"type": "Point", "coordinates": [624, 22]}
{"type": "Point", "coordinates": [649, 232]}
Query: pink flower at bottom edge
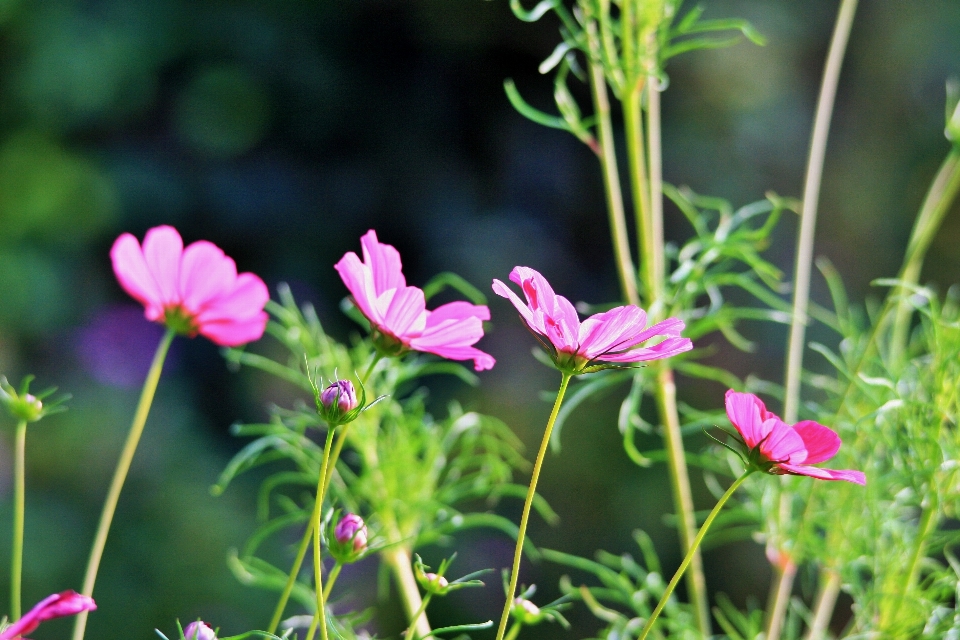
{"type": "Point", "coordinates": [65, 603]}
{"type": "Point", "coordinates": [194, 290]}
{"type": "Point", "coordinates": [398, 313]}
{"type": "Point", "coordinates": [613, 336]}
{"type": "Point", "coordinates": [782, 448]}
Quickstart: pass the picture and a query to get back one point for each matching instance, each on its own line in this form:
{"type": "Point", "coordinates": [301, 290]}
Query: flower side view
{"type": "Point", "coordinates": [65, 603]}
{"type": "Point", "coordinates": [199, 630]}
{"type": "Point", "coordinates": [778, 448]}
{"type": "Point", "coordinates": [191, 290]}
{"type": "Point", "coordinates": [612, 337]}
{"type": "Point", "coordinates": [398, 313]}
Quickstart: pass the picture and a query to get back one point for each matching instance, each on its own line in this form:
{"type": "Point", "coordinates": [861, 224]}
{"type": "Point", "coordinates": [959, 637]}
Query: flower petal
{"type": "Point", "coordinates": [612, 330]}
{"type": "Point", "coordinates": [359, 282]}
{"type": "Point", "coordinates": [230, 332]}
{"type": "Point", "coordinates": [404, 312]}
{"type": "Point", "coordinates": [244, 299]}
{"type": "Point", "coordinates": [132, 273]}
{"type": "Point", "coordinates": [666, 349]}
{"type": "Point", "coordinates": [850, 475]}
{"type": "Point", "coordinates": [744, 414]}
{"type": "Point", "coordinates": [504, 291]}
{"type": "Point", "coordinates": [781, 443]}
{"type": "Point", "coordinates": [205, 274]}
{"type": "Point", "coordinates": [822, 443]}
{"type": "Point", "coordinates": [65, 603]}
{"type": "Point", "coordinates": [162, 248]}
{"type": "Point", "coordinates": [384, 263]}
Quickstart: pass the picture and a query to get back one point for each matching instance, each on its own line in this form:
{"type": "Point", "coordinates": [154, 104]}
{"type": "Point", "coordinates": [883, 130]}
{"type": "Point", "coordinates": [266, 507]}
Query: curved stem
{"type": "Point", "coordinates": [531, 492]}
{"type": "Point", "coordinates": [19, 503]}
{"type": "Point", "coordinates": [120, 475]}
{"type": "Point", "coordinates": [373, 363]}
{"type": "Point", "coordinates": [686, 561]}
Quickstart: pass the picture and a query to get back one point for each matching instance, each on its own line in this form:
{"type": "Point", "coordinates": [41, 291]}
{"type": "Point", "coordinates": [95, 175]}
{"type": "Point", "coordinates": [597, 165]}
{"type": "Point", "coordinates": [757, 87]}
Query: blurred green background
{"type": "Point", "coordinates": [282, 130]}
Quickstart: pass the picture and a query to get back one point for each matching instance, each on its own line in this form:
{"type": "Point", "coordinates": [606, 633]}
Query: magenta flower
{"type": "Point", "coordinates": [191, 290]}
{"type": "Point", "coordinates": [610, 337]}
{"type": "Point", "coordinates": [779, 448]}
{"type": "Point", "coordinates": [339, 397]}
{"type": "Point", "coordinates": [66, 603]}
{"type": "Point", "coordinates": [352, 530]}
{"type": "Point", "coordinates": [398, 314]}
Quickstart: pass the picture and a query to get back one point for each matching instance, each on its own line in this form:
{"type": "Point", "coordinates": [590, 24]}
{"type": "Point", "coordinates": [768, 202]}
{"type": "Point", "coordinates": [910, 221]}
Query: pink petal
{"type": "Point", "coordinates": [453, 333]}
{"type": "Point", "coordinates": [384, 263]}
{"type": "Point", "coordinates": [162, 248]}
{"type": "Point", "coordinates": [66, 603]}
{"type": "Point", "coordinates": [562, 324]}
{"type": "Point", "coordinates": [458, 311]}
{"type": "Point", "coordinates": [481, 361]}
{"type": "Point", "coordinates": [856, 477]}
{"type": "Point", "coordinates": [744, 413]}
{"type": "Point", "coordinates": [504, 291]}
{"type": "Point", "coordinates": [231, 333]}
{"type": "Point", "coordinates": [131, 270]}
{"type": "Point", "coordinates": [205, 274]}
{"type": "Point", "coordinates": [359, 282]}
{"type": "Point", "coordinates": [404, 312]}
{"type": "Point", "coordinates": [535, 287]}
{"type": "Point", "coordinates": [612, 330]}
{"type": "Point", "coordinates": [244, 299]}
{"type": "Point", "coordinates": [822, 443]}
{"type": "Point", "coordinates": [781, 442]}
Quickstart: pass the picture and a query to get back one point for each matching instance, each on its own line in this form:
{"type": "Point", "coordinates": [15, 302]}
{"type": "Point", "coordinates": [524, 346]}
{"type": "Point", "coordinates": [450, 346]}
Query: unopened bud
{"type": "Point", "coordinates": [351, 527]}
{"type": "Point", "coordinates": [440, 581]}
{"type": "Point", "coordinates": [340, 394]}
{"type": "Point", "coordinates": [199, 631]}
{"type": "Point", "coordinates": [528, 606]}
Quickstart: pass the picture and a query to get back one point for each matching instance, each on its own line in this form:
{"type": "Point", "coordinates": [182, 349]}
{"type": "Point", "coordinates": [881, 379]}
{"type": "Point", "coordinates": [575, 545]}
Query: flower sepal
{"type": "Point", "coordinates": [338, 404]}
{"type": "Point", "coordinates": [28, 407]}
{"type": "Point", "coordinates": [436, 584]}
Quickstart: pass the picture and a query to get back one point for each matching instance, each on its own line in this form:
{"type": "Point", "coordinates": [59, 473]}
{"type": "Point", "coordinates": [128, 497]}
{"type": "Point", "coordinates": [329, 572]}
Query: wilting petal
{"type": "Point", "coordinates": [821, 443]}
{"type": "Point", "coordinates": [744, 414]}
{"type": "Point", "coordinates": [383, 261]}
{"type": "Point", "coordinates": [856, 477]}
{"type": "Point", "coordinates": [66, 603]}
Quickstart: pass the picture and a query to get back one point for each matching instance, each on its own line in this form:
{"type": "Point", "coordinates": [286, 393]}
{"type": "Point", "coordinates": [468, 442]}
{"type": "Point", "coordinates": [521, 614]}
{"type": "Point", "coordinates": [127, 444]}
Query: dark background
{"type": "Point", "coordinates": [282, 131]}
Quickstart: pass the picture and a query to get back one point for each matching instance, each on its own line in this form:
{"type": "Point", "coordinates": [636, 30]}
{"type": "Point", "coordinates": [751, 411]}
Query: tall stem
{"type": "Point", "coordinates": [782, 587]}
{"type": "Point", "coordinates": [690, 554]}
{"type": "Point", "coordinates": [825, 602]}
{"type": "Point", "coordinates": [611, 173]}
{"type": "Point", "coordinates": [334, 574]}
{"type": "Point", "coordinates": [19, 503]}
{"type": "Point", "coordinates": [398, 559]}
{"type": "Point", "coordinates": [531, 492]}
{"type": "Point", "coordinates": [639, 188]}
{"type": "Point", "coordinates": [408, 634]}
{"type": "Point", "coordinates": [935, 206]}
{"type": "Point", "coordinates": [120, 474]}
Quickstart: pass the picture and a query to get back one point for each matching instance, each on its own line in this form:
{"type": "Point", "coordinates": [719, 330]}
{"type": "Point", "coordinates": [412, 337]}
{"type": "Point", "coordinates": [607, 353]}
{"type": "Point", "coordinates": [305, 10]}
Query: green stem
{"type": "Point", "coordinates": [397, 557]}
{"type": "Point", "coordinates": [803, 267]}
{"type": "Point", "coordinates": [935, 206]}
{"type": "Point", "coordinates": [928, 522]}
{"type": "Point", "coordinates": [531, 492]}
{"type": "Point", "coordinates": [373, 363]}
{"type": "Point", "coordinates": [19, 502]}
{"type": "Point", "coordinates": [408, 634]}
{"type": "Point", "coordinates": [633, 126]}
{"type": "Point", "coordinates": [689, 557]}
{"type": "Point", "coordinates": [611, 173]}
{"type": "Point", "coordinates": [120, 475]}
{"type": "Point", "coordinates": [314, 523]}
{"type": "Point", "coordinates": [514, 631]}
{"type": "Point", "coordinates": [826, 600]}
{"type": "Point", "coordinates": [334, 574]}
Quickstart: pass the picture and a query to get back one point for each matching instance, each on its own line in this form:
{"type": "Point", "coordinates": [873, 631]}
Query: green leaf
{"type": "Point", "coordinates": [529, 112]}
{"type": "Point", "coordinates": [441, 281]}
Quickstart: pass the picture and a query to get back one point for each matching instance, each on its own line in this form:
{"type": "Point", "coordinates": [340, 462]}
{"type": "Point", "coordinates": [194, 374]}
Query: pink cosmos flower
{"type": "Point", "coordinates": [193, 290]}
{"type": "Point", "coordinates": [199, 631]}
{"type": "Point", "coordinates": [780, 448]}
{"type": "Point", "coordinates": [609, 337]}
{"type": "Point", "coordinates": [398, 313]}
{"type": "Point", "coordinates": [66, 603]}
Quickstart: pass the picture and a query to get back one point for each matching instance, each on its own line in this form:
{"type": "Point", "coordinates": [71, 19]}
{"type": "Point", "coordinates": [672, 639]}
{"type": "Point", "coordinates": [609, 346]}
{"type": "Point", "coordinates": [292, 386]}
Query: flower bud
{"type": "Point", "coordinates": [23, 405]}
{"type": "Point", "coordinates": [199, 631]}
{"type": "Point", "coordinates": [352, 528]}
{"type": "Point", "coordinates": [434, 579]}
{"type": "Point", "coordinates": [526, 612]}
{"type": "Point", "coordinates": [340, 394]}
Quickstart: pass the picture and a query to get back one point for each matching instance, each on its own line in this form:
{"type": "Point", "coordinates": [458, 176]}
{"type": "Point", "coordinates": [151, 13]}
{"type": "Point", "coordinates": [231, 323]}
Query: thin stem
{"type": "Point", "coordinates": [825, 602]}
{"type": "Point", "coordinates": [928, 522]}
{"type": "Point", "coordinates": [514, 631]}
{"type": "Point", "coordinates": [611, 173]}
{"type": "Point", "coordinates": [689, 557]}
{"type": "Point", "coordinates": [935, 206]}
{"type": "Point", "coordinates": [531, 492]}
{"type": "Point", "coordinates": [120, 474]}
{"type": "Point", "coordinates": [408, 634]}
{"type": "Point", "coordinates": [636, 155]}
{"type": "Point", "coordinates": [307, 536]}
{"type": "Point", "coordinates": [655, 154]}
{"type": "Point", "coordinates": [780, 592]}
{"type": "Point", "coordinates": [803, 267]}
{"type": "Point", "coordinates": [373, 363]}
{"type": "Point", "coordinates": [334, 574]}
{"type": "Point", "coordinates": [19, 503]}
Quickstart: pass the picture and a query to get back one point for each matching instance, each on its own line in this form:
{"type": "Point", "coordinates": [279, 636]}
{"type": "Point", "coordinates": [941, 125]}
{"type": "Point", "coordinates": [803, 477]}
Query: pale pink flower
{"type": "Point", "coordinates": [613, 336]}
{"type": "Point", "coordinates": [193, 290]}
{"type": "Point", "coordinates": [199, 630]}
{"type": "Point", "coordinates": [66, 603]}
{"type": "Point", "coordinates": [779, 448]}
{"type": "Point", "coordinates": [398, 314]}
